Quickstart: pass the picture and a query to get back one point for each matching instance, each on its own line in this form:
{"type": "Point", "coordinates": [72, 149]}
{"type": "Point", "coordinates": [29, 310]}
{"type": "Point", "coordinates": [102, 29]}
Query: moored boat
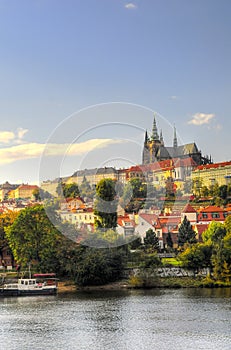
{"type": "Point", "coordinates": [39, 284]}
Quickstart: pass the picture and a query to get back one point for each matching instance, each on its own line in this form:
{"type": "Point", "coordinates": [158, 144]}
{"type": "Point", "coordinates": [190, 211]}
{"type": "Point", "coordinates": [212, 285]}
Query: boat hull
{"type": "Point", "coordinates": [17, 293]}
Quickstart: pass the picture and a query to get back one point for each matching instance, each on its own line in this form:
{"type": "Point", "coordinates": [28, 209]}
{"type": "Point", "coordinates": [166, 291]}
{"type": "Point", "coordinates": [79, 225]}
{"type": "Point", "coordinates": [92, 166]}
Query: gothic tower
{"type": "Point", "coordinates": [152, 144]}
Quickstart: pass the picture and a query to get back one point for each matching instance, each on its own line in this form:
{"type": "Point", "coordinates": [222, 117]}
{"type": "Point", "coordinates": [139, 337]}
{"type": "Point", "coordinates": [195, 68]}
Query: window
{"type": "Point", "coordinates": [215, 215]}
{"type": "Point", "coordinates": [204, 215]}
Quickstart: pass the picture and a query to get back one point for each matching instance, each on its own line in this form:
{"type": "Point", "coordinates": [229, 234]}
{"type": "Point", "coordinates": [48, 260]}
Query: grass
{"type": "Point", "coordinates": [171, 261]}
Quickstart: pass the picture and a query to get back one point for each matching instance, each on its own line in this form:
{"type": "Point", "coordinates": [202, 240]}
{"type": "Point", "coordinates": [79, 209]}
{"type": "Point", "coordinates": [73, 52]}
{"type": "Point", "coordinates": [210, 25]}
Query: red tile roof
{"type": "Point", "coordinates": [213, 166]}
{"type": "Point", "coordinates": [188, 209]}
{"type": "Point", "coordinates": [211, 209]}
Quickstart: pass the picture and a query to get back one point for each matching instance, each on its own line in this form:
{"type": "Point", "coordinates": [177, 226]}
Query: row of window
{"type": "Point", "coordinates": [214, 215]}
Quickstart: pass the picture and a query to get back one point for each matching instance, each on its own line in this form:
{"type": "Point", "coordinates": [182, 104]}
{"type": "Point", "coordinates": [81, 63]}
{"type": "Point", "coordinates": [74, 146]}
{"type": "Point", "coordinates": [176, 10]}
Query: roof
{"type": "Point", "coordinates": [213, 166]}
{"type": "Point", "coordinates": [212, 209]}
{"type": "Point", "coordinates": [122, 220]}
{"type": "Point", "coordinates": [188, 209]}
{"type": "Point", "coordinates": [150, 218]}
{"type": "Point", "coordinates": [27, 187]}
{"type": "Point", "coordinates": [200, 228]}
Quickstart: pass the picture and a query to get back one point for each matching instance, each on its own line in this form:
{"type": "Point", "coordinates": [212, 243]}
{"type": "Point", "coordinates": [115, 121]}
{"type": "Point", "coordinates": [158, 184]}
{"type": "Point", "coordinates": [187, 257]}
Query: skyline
{"type": "Point", "coordinates": [172, 58]}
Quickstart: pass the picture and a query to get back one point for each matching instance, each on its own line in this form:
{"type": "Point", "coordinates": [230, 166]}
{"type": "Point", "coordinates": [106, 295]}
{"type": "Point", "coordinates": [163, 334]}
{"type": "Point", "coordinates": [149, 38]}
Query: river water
{"type": "Point", "coordinates": [155, 319]}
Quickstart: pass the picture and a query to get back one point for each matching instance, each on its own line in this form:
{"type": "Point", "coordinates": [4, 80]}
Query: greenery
{"type": "Point", "coordinates": [85, 189]}
{"type": "Point", "coordinates": [105, 205]}
{"type": "Point", "coordinates": [186, 233]}
{"type": "Point", "coordinates": [99, 266]}
{"type": "Point", "coordinates": [151, 241]}
{"type": "Point", "coordinates": [134, 195]}
{"type": "Point", "coordinates": [214, 253]}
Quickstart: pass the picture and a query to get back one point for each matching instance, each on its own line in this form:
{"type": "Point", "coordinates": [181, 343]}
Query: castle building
{"type": "Point", "coordinates": [155, 150]}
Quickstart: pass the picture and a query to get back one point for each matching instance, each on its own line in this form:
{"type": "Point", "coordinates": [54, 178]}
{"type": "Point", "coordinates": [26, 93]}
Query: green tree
{"type": "Point", "coordinates": [85, 189]}
{"type": "Point", "coordinates": [99, 266]}
{"type": "Point", "coordinates": [135, 243]}
{"type": "Point", "coordinates": [169, 240]}
{"type": "Point", "coordinates": [186, 234]}
{"type": "Point", "coordinates": [216, 235]}
{"type": "Point", "coordinates": [196, 257]}
{"type": "Point", "coordinates": [134, 195]}
{"type": "Point", "coordinates": [223, 192]}
{"type": "Point", "coordinates": [105, 205]}
{"type": "Point", "coordinates": [6, 219]}
{"type": "Point", "coordinates": [204, 191]}
{"type": "Point", "coordinates": [228, 224]}
{"type": "Point", "coordinates": [196, 186]}
{"type": "Point", "coordinates": [33, 238]}
{"type": "Point", "coordinates": [71, 190]}
{"type": "Point", "coordinates": [151, 241]}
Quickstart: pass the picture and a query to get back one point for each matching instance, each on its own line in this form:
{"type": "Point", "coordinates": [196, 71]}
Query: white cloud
{"type": "Point", "coordinates": [174, 97]}
{"type": "Point", "coordinates": [130, 6]}
{"type": "Point", "coordinates": [6, 136]}
{"type": "Point", "coordinates": [21, 132]}
{"type": "Point", "coordinates": [35, 150]}
{"type": "Point", "coordinates": [201, 118]}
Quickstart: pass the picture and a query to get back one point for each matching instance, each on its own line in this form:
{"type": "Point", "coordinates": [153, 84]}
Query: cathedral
{"type": "Point", "coordinates": [155, 150]}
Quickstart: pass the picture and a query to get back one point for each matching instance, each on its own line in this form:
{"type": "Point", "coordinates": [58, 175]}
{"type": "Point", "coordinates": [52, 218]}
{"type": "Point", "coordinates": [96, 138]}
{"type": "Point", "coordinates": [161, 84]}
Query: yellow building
{"type": "Point", "coordinates": [25, 191]}
{"type": "Point", "coordinates": [210, 174]}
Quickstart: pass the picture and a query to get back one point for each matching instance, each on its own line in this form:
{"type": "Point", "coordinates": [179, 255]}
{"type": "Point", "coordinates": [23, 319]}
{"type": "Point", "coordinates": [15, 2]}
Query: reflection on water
{"type": "Point", "coordinates": [154, 319]}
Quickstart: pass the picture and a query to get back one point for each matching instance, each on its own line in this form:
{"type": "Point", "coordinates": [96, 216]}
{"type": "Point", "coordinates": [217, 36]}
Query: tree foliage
{"type": "Point", "coordinates": [85, 189]}
{"type": "Point", "coordinates": [186, 233]}
{"type": "Point", "coordinates": [71, 190]}
{"type": "Point", "coordinates": [99, 266]}
{"type": "Point", "coordinates": [33, 238]}
{"type": "Point", "coordinates": [105, 205]}
{"type": "Point", "coordinates": [151, 241]}
{"type": "Point", "coordinates": [6, 219]}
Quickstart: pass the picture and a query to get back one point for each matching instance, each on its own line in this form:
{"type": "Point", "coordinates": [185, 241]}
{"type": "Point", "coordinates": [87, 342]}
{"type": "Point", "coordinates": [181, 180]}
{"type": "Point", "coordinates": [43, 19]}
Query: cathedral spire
{"type": "Point", "coordinates": [155, 136]}
{"type": "Point", "coordinates": [146, 138]}
{"type": "Point", "coordinates": [161, 137]}
{"type": "Point", "coordinates": [175, 143]}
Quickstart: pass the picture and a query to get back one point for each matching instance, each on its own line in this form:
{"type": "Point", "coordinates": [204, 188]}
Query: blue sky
{"type": "Point", "coordinates": [59, 57]}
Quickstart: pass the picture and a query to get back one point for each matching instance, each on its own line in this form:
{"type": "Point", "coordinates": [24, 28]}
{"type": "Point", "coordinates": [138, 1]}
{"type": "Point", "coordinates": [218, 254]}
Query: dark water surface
{"type": "Point", "coordinates": [155, 319]}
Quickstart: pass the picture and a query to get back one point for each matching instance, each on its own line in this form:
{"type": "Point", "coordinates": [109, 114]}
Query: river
{"type": "Point", "coordinates": [160, 319]}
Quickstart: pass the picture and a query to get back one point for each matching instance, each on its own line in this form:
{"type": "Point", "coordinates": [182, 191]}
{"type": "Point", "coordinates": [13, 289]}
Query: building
{"type": "Point", "coordinates": [24, 191]}
{"type": "Point", "coordinates": [155, 150]}
{"type": "Point", "coordinates": [210, 174]}
{"type": "Point", "coordinates": [93, 176]}
{"type": "Point", "coordinates": [5, 190]}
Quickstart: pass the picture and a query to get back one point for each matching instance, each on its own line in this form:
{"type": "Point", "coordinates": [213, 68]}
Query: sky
{"type": "Point", "coordinates": [80, 82]}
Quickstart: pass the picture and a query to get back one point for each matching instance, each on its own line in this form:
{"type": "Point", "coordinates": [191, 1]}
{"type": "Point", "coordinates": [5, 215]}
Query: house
{"type": "Point", "coordinates": [212, 213]}
{"type": "Point", "coordinates": [190, 213]}
{"type": "Point", "coordinates": [145, 222]}
{"type": "Point", "coordinates": [24, 191]}
{"type": "Point", "coordinates": [126, 225]}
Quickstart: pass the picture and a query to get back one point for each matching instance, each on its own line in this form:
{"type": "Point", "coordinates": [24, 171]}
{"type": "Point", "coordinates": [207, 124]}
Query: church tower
{"type": "Point", "coordinates": [152, 145]}
{"type": "Point", "coordinates": [175, 143]}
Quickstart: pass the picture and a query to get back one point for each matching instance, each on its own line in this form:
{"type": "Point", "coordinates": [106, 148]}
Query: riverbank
{"type": "Point", "coordinates": [167, 282]}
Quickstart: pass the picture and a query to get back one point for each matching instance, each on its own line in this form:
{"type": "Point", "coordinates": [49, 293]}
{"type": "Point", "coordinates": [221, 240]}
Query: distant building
{"type": "Point", "coordinates": [155, 150]}
{"type": "Point", "coordinates": [5, 190]}
{"type": "Point", "coordinates": [24, 191]}
{"type": "Point", "coordinates": [210, 174]}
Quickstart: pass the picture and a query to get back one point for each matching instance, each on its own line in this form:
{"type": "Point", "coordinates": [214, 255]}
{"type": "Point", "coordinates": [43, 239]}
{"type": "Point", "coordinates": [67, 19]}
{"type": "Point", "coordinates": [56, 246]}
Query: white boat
{"type": "Point", "coordinates": [40, 284]}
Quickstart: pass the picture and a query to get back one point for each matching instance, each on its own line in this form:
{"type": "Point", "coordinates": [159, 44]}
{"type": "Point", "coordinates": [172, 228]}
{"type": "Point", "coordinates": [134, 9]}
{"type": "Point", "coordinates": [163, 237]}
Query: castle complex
{"type": "Point", "coordinates": [155, 150]}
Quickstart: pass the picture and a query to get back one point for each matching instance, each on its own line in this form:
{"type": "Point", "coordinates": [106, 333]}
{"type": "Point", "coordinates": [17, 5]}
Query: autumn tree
{"type": "Point", "coordinates": [33, 238]}
{"type": "Point", "coordinates": [6, 219]}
